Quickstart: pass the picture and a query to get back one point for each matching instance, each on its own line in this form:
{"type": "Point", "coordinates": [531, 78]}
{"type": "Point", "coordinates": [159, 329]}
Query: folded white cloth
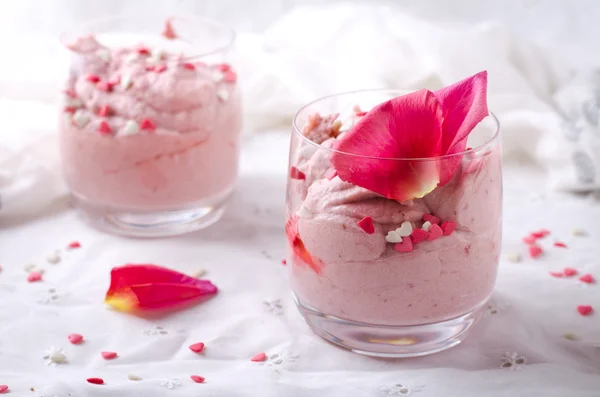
{"type": "Point", "coordinates": [315, 51]}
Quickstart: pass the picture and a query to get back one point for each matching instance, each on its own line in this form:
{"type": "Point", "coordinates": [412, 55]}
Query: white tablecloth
{"type": "Point", "coordinates": [529, 314]}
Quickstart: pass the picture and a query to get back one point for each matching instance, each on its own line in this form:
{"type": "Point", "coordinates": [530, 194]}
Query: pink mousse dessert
{"type": "Point", "coordinates": [149, 137]}
{"type": "Point", "coordinates": [393, 223]}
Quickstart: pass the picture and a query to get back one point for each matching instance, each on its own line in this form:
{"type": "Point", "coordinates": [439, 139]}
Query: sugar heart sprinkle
{"type": "Point", "coordinates": [529, 240]}
{"type": "Point", "coordinates": [585, 310]}
{"type": "Point", "coordinates": [197, 347]}
{"type": "Point", "coordinates": [560, 244]}
{"type": "Point", "coordinates": [104, 128]}
{"type": "Point", "coordinates": [104, 111]}
{"type": "Point", "coordinates": [587, 278]}
{"type": "Point", "coordinates": [3, 388]}
{"type": "Point", "coordinates": [570, 272]}
{"type": "Point", "coordinates": [109, 355]}
{"type": "Point", "coordinates": [435, 232]}
{"type": "Point", "coordinates": [366, 224]}
{"type": "Point", "coordinates": [189, 66]}
{"type": "Point", "coordinates": [74, 245]}
{"type": "Point", "coordinates": [431, 219]}
{"type": "Point", "coordinates": [224, 67]}
{"type": "Point", "coordinates": [448, 228]}
{"type": "Point", "coordinates": [426, 226]}
{"type": "Point", "coordinates": [230, 76]}
{"type": "Point", "coordinates": [258, 358]}
{"type": "Point", "coordinates": [95, 381]}
{"type": "Point", "coordinates": [557, 274]}
{"type": "Point", "coordinates": [535, 251]}
{"type": "Point", "coordinates": [295, 173]}
{"type": "Point", "coordinates": [75, 338]}
{"type": "Point", "coordinates": [418, 235]}
{"type": "Point", "coordinates": [92, 78]}
{"type": "Point", "coordinates": [148, 125]}
{"type": "Point", "coordinates": [104, 86]}
{"type": "Point", "coordinates": [197, 378]}
{"type": "Point", "coordinates": [34, 277]}
{"type": "Point", "coordinates": [405, 245]}
{"type": "Point", "coordinates": [160, 68]}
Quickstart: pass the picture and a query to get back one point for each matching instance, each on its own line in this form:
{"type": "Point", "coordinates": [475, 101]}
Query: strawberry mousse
{"type": "Point", "coordinates": [144, 129]}
{"type": "Point", "coordinates": [396, 222]}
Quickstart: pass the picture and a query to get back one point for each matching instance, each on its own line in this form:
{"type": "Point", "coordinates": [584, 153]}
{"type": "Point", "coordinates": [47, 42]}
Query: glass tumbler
{"type": "Point", "coordinates": [362, 292]}
{"type": "Point", "coordinates": [150, 123]}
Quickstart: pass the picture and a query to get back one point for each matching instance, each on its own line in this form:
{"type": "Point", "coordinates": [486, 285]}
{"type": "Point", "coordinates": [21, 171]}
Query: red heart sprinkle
{"type": "Point", "coordinates": [104, 128]}
{"type": "Point", "coordinates": [197, 347]}
{"type": "Point", "coordinates": [331, 173]}
{"type": "Point", "coordinates": [570, 272]}
{"type": "Point", "coordinates": [535, 251]}
{"type": "Point", "coordinates": [75, 338]}
{"type": "Point", "coordinates": [143, 50]}
{"type": "Point", "coordinates": [230, 76]}
{"type": "Point", "coordinates": [431, 219]}
{"type": "Point", "coordinates": [360, 114]}
{"type": "Point", "coordinates": [197, 378]}
{"type": "Point", "coordinates": [104, 111]}
{"type": "Point", "coordinates": [109, 355]}
{"type": "Point", "coordinates": [284, 262]}
{"type": "Point", "coordinates": [3, 388]}
{"type": "Point", "coordinates": [224, 67]}
{"type": "Point", "coordinates": [405, 246]}
{"type": "Point", "coordinates": [435, 232]}
{"type": "Point", "coordinates": [560, 244]}
{"type": "Point", "coordinates": [74, 244]}
{"type": "Point", "coordinates": [260, 357]}
{"type": "Point", "coordinates": [70, 109]}
{"type": "Point", "coordinates": [541, 233]}
{"type": "Point", "coordinates": [418, 235]}
{"type": "Point", "coordinates": [557, 274]}
{"type": "Point", "coordinates": [34, 277]}
{"type": "Point", "coordinates": [104, 86]}
{"type": "Point", "coordinates": [147, 124]}
{"type": "Point", "coordinates": [366, 224]}
{"type": "Point", "coordinates": [95, 381]}
{"type": "Point", "coordinates": [93, 78]}
{"type": "Point", "coordinates": [168, 32]}
{"type": "Point", "coordinates": [587, 278]}
{"type": "Point", "coordinates": [160, 68]}
{"type": "Point", "coordinates": [448, 228]}
{"type": "Point", "coordinates": [70, 93]}
{"type": "Point", "coordinates": [585, 310]}
{"type": "Point", "coordinates": [529, 240]}
{"type": "Point", "coordinates": [295, 173]}
{"type": "Point", "coordinates": [189, 66]}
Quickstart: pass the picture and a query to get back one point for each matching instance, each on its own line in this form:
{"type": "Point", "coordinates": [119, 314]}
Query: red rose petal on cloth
{"type": "Point", "coordinates": [366, 224]}
{"type": "Point", "coordinates": [197, 347]}
{"type": "Point", "coordinates": [330, 174]}
{"type": "Point", "coordinates": [448, 228]}
{"type": "Point", "coordinates": [74, 245]}
{"type": "Point", "coordinates": [224, 67]}
{"type": "Point", "coordinates": [189, 66]}
{"type": "Point", "coordinates": [147, 288]}
{"type": "Point", "coordinates": [418, 235]}
{"type": "Point", "coordinates": [3, 388]}
{"type": "Point", "coordinates": [405, 127]}
{"type": "Point", "coordinates": [535, 251]}
{"type": "Point", "coordinates": [147, 124]}
{"type": "Point", "coordinates": [95, 381]}
{"type": "Point", "coordinates": [587, 278]}
{"type": "Point", "coordinates": [108, 355]}
{"type": "Point", "coordinates": [431, 219]}
{"type": "Point", "coordinates": [260, 357]}
{"type": "Point", "coordinates": [34, 277]}
{"type": "Point", "coordinates": [405, 246]}
{"type": "Point", "coordinates": [435, 232]}
{"type": "Point", "coordinates": [298, 248]}
{"type": "Point", "coordinates": [197, 378]}
{"type": "Point", "coordinates": [104, 128]}
{"type": "Point", "coordinates": [104, 86]}
{"type": "Point", "coordinates": [93, 78]}
{"type": "Point", "coordinates": [557, 274]}
{"type": "Point", "coordinates": [295, 173]}
{"type": "Point", "coordinates": [104, 111]}
{"type": "Point", "coordinates": [230, 76]}
{"type": "Point", "coordinates": [168, 31]}
{"type": "Point", "coordinates": [585, 310]}
{"type": "Point", "coordinates": [570, 272]}
{"type": "Point", "coordinates": [529, 240]}
{"type": "Point", "coordinates": [560, 244]}
{"type": "Point", "coordinates": [75, 338]}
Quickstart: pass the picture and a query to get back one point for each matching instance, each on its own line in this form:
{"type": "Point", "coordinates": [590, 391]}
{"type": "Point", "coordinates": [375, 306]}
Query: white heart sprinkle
{"type": "Point", "coordinates": [73, 102]}
{"type": "Point", "coordinates": [133, 57]}
{"type": "Point", "coordinates": [125, 81]}
{"type": "Point", "coordinates": [304, 212]}
{"type": "Point", "coordinates": [134, 377]}
{"type": "Point", "coordinates": [405, 229]}
{"type": "Point", "coordinates": [579, 232]}
{"type": "Point", "coordinates": [131, 128]}
{"type": "Point", "coordinates": [426, 226]}
{"type": "Point", "coordinates": [103, 54]}
{"type": "Point", "coordinates": [30, 267]}
{"type": "Point", "coordinates": [53, 258]}
{"type": "Point", "coordinates": [198, 273]}
{"type": "Point", "coordinates": [80, 118]}
{"type": "Point", "coordinates": [393, 237]}
{"type": "Point", "coordinates": [514, 257]}
{"type": "Point", "coordinates": [217, 76]}
{"type": "Point", "coordinates": [223, 94]}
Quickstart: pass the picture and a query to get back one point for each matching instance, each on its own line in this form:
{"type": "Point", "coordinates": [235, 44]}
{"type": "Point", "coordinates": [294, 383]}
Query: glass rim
{"type": "Point", "coordinates": [194, 19]}
{"type": "Point", "coordinates": [478, 149]}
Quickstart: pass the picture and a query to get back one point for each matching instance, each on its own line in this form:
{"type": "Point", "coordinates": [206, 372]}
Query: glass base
{"type": "Point", "coordinates": [151, 223]}
{"type": "Point", "coordinates": [389, 340]}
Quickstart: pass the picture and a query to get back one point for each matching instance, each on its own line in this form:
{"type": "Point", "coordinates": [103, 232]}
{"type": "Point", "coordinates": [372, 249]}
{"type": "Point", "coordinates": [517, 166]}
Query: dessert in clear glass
{"type": "Point", "coordinates": [150, 123]}
{"type": "Point", "coordinates": [393, 218]}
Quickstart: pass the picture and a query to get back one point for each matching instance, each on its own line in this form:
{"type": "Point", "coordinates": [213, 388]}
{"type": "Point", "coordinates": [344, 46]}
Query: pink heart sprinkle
{"type": "Point", "coordinates": [560, 244]}
{"type": "Point", "coordinates": [95, 381]}
{"type": "Point", "coordinates": [405, 246]}
{"type": "Point", "coordinates": [74, 245]}
{"type": "Point", "coordinates": [541, 233]}
{"type": "Point", "coordinates": [143, 50]}
{"type": "Point", "coordinates": [366, 224]}
{"type": "Point", "coordinates": [104, 86]}
{"type": "Point", "coordinates": [92, 78]}
{"type": "Point", "coordinates": [535, 251]}
{"type": "Point", "coordinates": [147, 124]}
{"type": "Point", "coordinates": [431, 219]}
{"type": "Point", "coordinates": [570, 272]}
{"type": "Point", "coordinates": [189, 66]}
{"type": "Point", "coordinates": [585, 310]}
{"type": "Point", "coordinates": [284, 262]}
{"type": "Point", "coordinates": [295, 173]}
{"type": "Point", "coordinates": [448, 228]}
{"type": "Point", "coordinates": [34, 277]}
{"type": "Point", "coordinates": [557, 274]}
{"type": "Point", "coordinates": [224, 67]}
{"type": "Point", "coordinates": [104, 128]}
{"type": "Point", "coordinates": [160, 68]}
{"type": "Point", "coordinates": [230, 76]}
{"type": "Point", "coordinates": [109, 355]}
{"type": "Point", "coordinates": [104, 111]}
{"type": "Point", "coordinates": [260, 357]}
{"type": "Point", "coordinates": [330, 174]}
{"type": "Point", "coordinates": [197, 347]}
{"type": "Point", "coordinates": [418, 235]}
{"type": "Point", "coordinates": [197, 378]}
{"type": "Point", "coordinates": [3, 388]}
{"type": "Point", "coordinates": [75, 338]}
{"type": "Point", "coordinates": [530, 240]}
{"type": "Point", "coordinates": [435, 232]}
{"type": "Point", "coordinates": [70, 109]}
{"type": "Point", "coordinates": [587, 278]}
